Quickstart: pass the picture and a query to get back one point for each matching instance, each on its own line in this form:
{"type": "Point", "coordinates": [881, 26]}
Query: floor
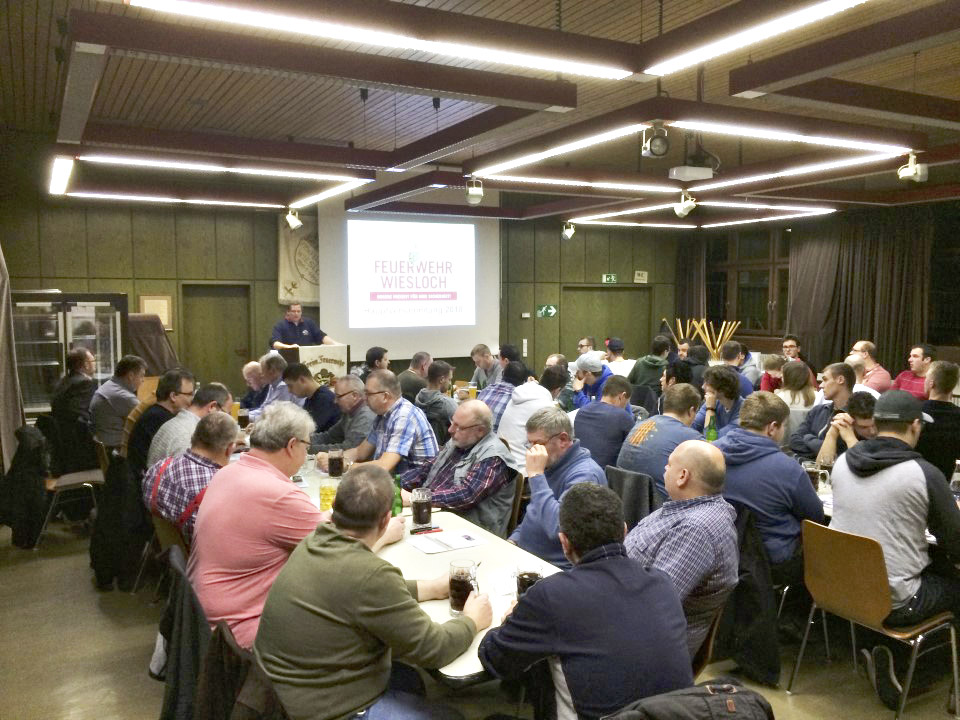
{"type": "Point", "coordinates": [68, 652]}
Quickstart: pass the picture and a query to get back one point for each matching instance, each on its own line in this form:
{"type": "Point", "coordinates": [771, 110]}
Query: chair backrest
{"type": "Point", "coordinates": [846, 574]}
{"type": "Point", "coordinates": [519, 480]}
{"type": "Point", "coordinates": [131, 420]}
{"type": "Point", "coordinates": [636, 491]}
{"type": "Point", "coordinates": [168, 535]}
{"type": "Point", "coordinates": [644, 397]}
{"type": "Point", "coordinates": [102, 456]}
{"type": "Point", "coordinates": [702, 658]}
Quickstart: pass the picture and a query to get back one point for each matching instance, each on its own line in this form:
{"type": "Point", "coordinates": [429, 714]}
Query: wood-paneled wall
{"type": "Point", "coordinates": [538, 263]}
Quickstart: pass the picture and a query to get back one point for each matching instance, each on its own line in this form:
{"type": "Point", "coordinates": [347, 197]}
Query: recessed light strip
{"type": "Point", "coordinates": [209, 167]}
{"type": "Point", "coordinates": [752, 35]}
{"type": "Point", "coordinates": [561, 149]}
{"type": "Point", "coordinates": [762, 206]}
{"type": "Point", "coordinates": [625, 223]}
{"type": "Point", "coordinates": [169, 200]}
{"type": "Point", "coordinates": [769, 219]}
{"type": "Point", "coordinates": [779, 135]}
{"type": "Point", "coordinates": [60, 175]}
{"type": "Point", "coordinates": [798, 170]}
{"type": "Point", "coordinates": [601, 185]}
{"type": "Point", "coordinates": [338, 190]}
{"type": "Point", "coordinates": [618, 213]}
{"type": "Point", "coordinates": [365, 36]}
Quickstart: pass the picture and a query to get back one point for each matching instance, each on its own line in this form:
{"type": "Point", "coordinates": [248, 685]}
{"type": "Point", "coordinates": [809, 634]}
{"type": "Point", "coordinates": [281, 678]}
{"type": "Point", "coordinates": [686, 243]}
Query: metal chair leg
{"type": "Point", "coordinates": [853, 643]}
{"type": "Point", "coordinates": [144, 556]}
{"type": "Point", "coordinates": [826, 635]}
{"type": "Point", "coordinates": [956, 676]}
{"type": "Point", "coordinates": [46, 520]}
{"type": "Point", "coordinates": [783, 599]}
{"type": "Point", "coordinates": [803, 646]}
{"type": "Point", "coordinates": [915, 646]}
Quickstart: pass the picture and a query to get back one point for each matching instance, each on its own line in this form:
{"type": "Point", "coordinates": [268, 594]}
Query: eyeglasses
{"type": "Point", "coordinates": [454, 427]}
{"type": "Point", "coordinates": [368, 393]}
{"type": "Point", "coordinates": [529, 444]}
{"type": "Point", "coordinates": [185, 394]}
{"type": "Point", "coordinates": [580, 345]}
{"type": "Point", "coordinates": [348, 392]}
{"type": "Point", "coordinates": [305, 442]}
{"type": "Point", "coordinates": [790, 347]}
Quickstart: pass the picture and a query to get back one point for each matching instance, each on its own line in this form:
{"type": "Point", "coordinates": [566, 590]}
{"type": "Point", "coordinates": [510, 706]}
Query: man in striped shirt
{"type": "Point", "coordinates": [173, 487]}
{"type": "Point", "coordinates": [472, 474]}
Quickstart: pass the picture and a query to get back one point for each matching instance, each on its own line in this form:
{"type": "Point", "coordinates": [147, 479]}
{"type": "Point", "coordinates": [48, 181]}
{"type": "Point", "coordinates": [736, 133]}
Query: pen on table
{"type": "Point", "coordinates": [424, 532]}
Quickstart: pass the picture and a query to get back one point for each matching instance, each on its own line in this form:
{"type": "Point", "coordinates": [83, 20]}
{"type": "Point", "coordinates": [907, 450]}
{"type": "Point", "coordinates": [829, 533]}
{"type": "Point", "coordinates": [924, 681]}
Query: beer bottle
{"type": "Point", "coordinates": [711, 435]}
{"type": "Point", "coordinates": [397, 500]}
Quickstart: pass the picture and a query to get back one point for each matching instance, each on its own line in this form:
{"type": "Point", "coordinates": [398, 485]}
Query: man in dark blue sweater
{"type": "Point", "coordinates": [611, 630]}
{"type": "Point", "coordinates": [602, 426]}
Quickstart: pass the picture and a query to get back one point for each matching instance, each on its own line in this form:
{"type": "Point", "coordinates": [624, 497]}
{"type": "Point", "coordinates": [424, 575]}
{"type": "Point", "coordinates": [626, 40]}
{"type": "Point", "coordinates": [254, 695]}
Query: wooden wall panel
{"type": "Point", "coordinates": [154, 243]}
{"type": "Point", "coordinates": [235, 257]}
{"type": "Point", "coordinates": [115, 285]}
{"type": "Point", "coordinates": [520, 299]}
{"type": "Point", "coordinates": [666, 260]}
{"type": "Point", "coordinates": [20, 233]}
{"type": "Point", "coordinates": [644, 257]}
{"type": "Point", "coordinates": [621, 257]}
{"type": "Point", "coordinates": [265, 246]}
{"type": "Point", "coordinates": [63, 243]}
{"type": "Point", "coordinates": [521, 253]}
{"type": "Point", "coordinates": [25, 283]}
{"type": "Point", "coordinates": [596, 260]}
{"type": "Point", "coordinates": [547, 248]}
{"type": "Point", "coordinates": [109, 247]}
{"type": "Point", "coordinates": [546, 339]}
{"type": "Point", "coordinates": [65, 284]}
{"type": "Point", "coordinates": [196, 246]}
{"type": "Point", "coordinates": [143, 286]}
{"type": "Point", "coordinates": [571, 258]}
{"type": "Point", "coordinates": [266, 312]}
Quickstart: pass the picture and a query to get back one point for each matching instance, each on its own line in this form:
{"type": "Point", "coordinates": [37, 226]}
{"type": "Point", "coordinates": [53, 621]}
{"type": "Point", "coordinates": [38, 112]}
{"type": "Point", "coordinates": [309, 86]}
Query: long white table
{"type": "Point", "coordinates": [497, 562]}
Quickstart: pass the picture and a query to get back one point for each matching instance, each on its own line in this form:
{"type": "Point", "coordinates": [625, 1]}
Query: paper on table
{"type": "Point", "coordinates": [431, 543]}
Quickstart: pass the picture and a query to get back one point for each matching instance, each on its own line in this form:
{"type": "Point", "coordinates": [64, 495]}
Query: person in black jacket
{"type": "Point", "coordinates": [611, 630]}
{"type": "Point", "coordinates": [838, 382]}
{"type": "Point", "coordinates": [70, 406]}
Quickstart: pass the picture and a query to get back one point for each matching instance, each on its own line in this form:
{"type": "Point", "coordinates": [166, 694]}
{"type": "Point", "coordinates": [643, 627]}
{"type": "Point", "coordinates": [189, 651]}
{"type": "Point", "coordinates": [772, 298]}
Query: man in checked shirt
{"type": "Point", "coordinates": [692, 538]}
{"type": "Point", "coordinates": [473, 473]}
{"type": "Point", "coordinates": [172, 487]}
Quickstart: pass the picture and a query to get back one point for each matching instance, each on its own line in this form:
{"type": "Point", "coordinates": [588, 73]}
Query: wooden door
{"type": "Point", "coordinates": [216, 333]}
{"type": "Point", "coordinates": [613, 311]}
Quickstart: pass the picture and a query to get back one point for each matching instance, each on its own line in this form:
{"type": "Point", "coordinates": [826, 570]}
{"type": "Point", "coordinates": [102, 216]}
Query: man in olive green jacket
{"type": "Point", "coordinates": [338, 615]}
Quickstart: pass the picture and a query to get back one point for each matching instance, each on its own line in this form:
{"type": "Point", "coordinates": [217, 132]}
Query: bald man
{"type": "Point", "coordinates": [692, 538]}
{"type": "Point", "coordinates": [473, 473]}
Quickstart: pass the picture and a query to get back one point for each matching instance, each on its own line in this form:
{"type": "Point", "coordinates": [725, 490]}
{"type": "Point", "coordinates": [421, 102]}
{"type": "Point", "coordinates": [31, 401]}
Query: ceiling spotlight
{"type": "Point", "coordinates": [474, 191]}
{"type": "Point", "coordinates": [686, 204]}
{"type": "Point", "coordinates": [293, 219]}
{"type": "Point", "coordinates": [568, 230]}
{"type": "Point", "coordinates": [918, 172]}
{"type": "Point", "coordinates": [656, 144]}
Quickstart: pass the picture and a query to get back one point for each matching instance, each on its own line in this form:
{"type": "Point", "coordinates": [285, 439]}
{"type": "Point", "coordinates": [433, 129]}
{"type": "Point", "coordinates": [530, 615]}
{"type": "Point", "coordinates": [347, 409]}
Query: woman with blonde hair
{"type": "Point", "coordinates": [798, 393]}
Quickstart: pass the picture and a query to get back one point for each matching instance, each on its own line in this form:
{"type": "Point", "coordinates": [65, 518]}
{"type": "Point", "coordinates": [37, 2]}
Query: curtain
{"type": "Point", "coordinates": [691, 278]}
{"type": "Point", "coordinates": [864, 276]}
{"type": "Point", "coordinates": [11, 406]}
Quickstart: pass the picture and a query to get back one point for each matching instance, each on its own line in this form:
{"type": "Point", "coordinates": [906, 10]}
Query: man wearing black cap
{"type": "Point", "coordinates": [615, 361]}
{"type": "Point", "coordinates": [884, 489]}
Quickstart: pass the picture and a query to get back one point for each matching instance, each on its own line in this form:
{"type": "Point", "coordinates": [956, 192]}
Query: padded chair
{"type": "Point", "coordinates": [644, 397]}
{"type": "Point", "coordinates": [517, 502]}
{"type": "Point", "coordinates": [847, 576]}
{"type": "Point", "coordinates": [704, 654]}
{"type": "Point", "coordinates": [165, 535]}
{"type": "Point", "coordinates": [637, 491]}
{"type": "Point", "coordinates": [83, 481]}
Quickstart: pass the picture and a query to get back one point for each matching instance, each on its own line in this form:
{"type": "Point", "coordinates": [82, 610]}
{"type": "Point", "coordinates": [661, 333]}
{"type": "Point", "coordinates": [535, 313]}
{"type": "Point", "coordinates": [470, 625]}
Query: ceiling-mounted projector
{"type": "Point", "coordinates": [689, 173]}
{"type": "Point", "coordinates": [918, 172]}
{"type": "Point", "coordinates": [657, 144]}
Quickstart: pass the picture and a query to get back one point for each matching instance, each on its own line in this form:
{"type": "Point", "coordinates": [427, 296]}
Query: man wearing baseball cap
{"type": "Point", "coordinates": [884, 489]}
{"type": "Point", "coordinates": [591, 376]}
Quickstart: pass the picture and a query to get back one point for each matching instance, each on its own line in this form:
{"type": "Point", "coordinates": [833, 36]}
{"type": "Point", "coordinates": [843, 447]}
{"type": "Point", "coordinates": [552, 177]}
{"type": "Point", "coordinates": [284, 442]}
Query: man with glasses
{"type": "Point", "coordinates": [272, 366]}
{"type": "Point", "coordinates": [472, 474]}
{"type": "Point", "coordinates": [791, 351]}
{"type": "Point", "coordinates": [356, 418]}
{"type": "Point", "coordinates": [174, 437]}
{"type": "Point", "coordinates": [401, 437]}
{"type": "Point", "coordinates": [555, 462]}
{"type": "Point", "coordinates": [175, 391]}
{"type": "Point", "coordinates": [875, 375]}
{"type": "Point", "coordinates": [70, 406]}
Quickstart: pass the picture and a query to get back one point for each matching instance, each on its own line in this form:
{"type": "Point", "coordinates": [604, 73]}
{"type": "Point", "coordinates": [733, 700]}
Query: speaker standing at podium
{"type": "Point", "coordinates": [295, 330]}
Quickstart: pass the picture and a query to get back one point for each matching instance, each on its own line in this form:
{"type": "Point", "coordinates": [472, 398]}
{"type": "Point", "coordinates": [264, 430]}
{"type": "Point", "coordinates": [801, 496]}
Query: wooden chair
{"type": "Point", "coordinates": [847, 576]}
{"type": "Point", "coordinates": [131, 420]}
{"type": "Point", "coordinates": [702, 658]}
{"type": "Point", "coordinates": [83, 480]}
{"type": "Point", "coordinates": [636, 490]}
{"type": "Point", "coordinates": [517, 502]}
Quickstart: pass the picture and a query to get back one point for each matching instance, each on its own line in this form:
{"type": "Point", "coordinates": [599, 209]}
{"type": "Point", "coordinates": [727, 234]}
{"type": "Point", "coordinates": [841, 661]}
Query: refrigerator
{"type": "Point", "coordinates": [48, 324]}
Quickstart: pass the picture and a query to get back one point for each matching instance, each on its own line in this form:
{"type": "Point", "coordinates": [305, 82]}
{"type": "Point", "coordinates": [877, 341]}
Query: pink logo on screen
{"type": "Point", "coordinates": [375, 296]}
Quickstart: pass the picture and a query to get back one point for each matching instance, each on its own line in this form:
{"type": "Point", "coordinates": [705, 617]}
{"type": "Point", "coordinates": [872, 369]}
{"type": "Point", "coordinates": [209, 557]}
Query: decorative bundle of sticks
{"type": "Point", "coordinates": [712, 339]}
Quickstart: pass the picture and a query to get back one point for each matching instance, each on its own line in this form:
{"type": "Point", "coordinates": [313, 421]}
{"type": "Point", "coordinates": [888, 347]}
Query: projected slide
{"type": "Point", "coordinates": [409, 274]}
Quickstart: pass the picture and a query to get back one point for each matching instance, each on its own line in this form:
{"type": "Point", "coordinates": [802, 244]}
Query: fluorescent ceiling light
{"type": "Point", "coordinates": [163, 199]}
{"type": "Point", "coordinates": [209, 167]}
{"type": "Point", "coordinates": [752, 35]}
{"type": "Point", "coordinates": [768, 134]}
{"type": "Point", "coordinates": [338, 190]}
{"type": "Point", "coordinates": [625, 223]}
{"type": "Point", "coordinates": [617, 213]}
{"type": "Point", "coordinates": [798, 170]}
{"type": "Point", "coordinates": [561, 149]}
{"type": "Point", "coordinates": [632, 187]}
{"type": "Point", "coordinates": [60, 175]}
{"type": "Point", "coordinates": [821, 211]}
{"type": "Point", "coordinates": [364, 36]}
{"type": "Point", "coordinates": [765, 206]}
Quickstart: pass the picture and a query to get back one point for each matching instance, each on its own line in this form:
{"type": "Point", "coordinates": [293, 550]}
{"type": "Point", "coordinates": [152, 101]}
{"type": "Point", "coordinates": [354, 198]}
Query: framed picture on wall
{"type": "Point", "coordinates": [161, 305]}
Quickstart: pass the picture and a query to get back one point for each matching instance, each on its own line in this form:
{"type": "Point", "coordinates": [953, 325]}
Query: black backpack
{"type": "Point", "coordinates": [721, 698]}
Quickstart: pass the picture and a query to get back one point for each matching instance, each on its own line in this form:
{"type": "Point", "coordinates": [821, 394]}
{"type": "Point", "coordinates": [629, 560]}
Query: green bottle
{"type": "Point", "coordinates": [397, 500]}
{"type": "Point", "coordinates": [712, 434]}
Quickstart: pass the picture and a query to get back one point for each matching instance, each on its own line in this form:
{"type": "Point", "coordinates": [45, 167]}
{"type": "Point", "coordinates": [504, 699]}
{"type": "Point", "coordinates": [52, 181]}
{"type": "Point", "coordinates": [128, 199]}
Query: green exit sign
{"type": "Point", "coordinates": [610, 278]}
{"type": "Point", "coordinates": [546, 311]}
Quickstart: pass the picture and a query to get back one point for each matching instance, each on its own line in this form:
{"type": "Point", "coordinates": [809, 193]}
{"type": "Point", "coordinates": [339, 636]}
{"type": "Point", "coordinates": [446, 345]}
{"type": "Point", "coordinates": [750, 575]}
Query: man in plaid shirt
{"type": "Point", "coordinates": [497, 396]}
{"type": "Point", "coordinates": [472, 474]}
{"type": "Point", "coordinates": [401, 437]}
{"type": "Point", "coordinates": [172, 487]}
{"type": "Point", "coordinates": [692, 538]}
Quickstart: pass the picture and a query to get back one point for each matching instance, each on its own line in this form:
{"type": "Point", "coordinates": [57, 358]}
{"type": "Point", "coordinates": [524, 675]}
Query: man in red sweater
{"type": "Point", "coordinates": [912, 380]}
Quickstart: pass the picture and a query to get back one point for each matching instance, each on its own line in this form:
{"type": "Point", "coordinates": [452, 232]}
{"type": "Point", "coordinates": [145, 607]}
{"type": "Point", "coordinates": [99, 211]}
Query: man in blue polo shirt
{"type": "Point", "coordinates": [296, 330]}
